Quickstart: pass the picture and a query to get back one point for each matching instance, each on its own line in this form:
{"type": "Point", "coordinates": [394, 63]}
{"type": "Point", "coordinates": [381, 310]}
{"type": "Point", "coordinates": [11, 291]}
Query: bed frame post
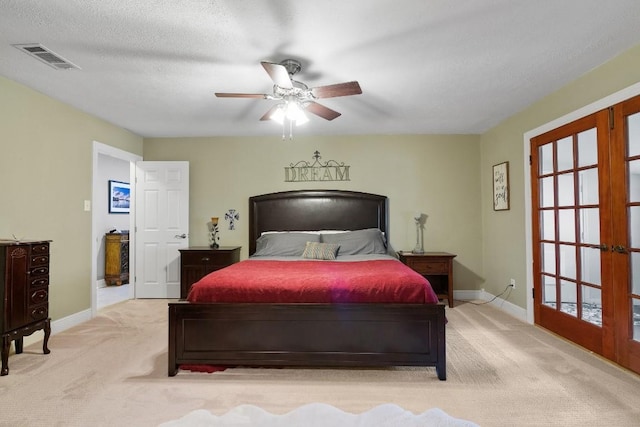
{"type": "Point", "coordinates": [173, 366]}
{"type": "Point", "coordinates": [441, 364]}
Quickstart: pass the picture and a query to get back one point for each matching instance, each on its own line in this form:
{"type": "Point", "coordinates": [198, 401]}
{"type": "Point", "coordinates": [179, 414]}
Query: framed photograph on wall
{"type": "Point", "coordinates": [501, 186]}
{"type": "Point", "coordinates": [119, 197]}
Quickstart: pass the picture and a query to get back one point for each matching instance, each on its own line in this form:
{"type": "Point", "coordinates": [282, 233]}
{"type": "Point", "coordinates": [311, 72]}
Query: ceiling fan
{"type": "Point", "coordinates": [294, 96]}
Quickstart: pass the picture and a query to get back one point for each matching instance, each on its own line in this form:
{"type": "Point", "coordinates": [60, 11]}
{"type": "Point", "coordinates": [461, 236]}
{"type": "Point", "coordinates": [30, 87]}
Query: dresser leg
{"type": "Point", "coordinates": [47, 334]}
{"type": "Point", "coordinates": [6, 343]}
{"type": "Point", "coordinates": [19, 345]}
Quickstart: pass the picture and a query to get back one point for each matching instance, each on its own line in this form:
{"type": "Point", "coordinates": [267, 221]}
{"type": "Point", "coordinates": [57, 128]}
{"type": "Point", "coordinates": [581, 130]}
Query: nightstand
{"type": "Point", "coordinates": [197, 262]}
{"type": "Point", "coordinates": [437, 267]}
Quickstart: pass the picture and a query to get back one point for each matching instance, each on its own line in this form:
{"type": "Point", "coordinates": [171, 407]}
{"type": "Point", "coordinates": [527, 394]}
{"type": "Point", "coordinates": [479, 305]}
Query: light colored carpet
{"type": "Point", "coordinates": [112, 370]}
{"type": "Point", "coordinates": [320, 415]}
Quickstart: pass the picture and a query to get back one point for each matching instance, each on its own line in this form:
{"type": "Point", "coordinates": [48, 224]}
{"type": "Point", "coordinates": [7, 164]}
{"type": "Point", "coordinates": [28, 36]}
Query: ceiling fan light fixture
{"type": "Point", "coordinates": [296, 98]}
{"type": "Point", "coordinates": [278, 115]}
{"type": "Point", "coordinates": [291, 111]}
{"type": "Point", "coordinates": [295, 113]}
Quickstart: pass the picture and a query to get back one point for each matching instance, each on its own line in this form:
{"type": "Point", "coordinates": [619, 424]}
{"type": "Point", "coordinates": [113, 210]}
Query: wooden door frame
{"type": "Point", "coordinates": [104, 149]}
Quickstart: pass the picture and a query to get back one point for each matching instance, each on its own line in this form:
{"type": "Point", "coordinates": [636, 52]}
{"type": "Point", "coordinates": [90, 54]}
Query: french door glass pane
{"type": "Point", "coordinates": [568, 298]}
{"type": "Point", "coordinates": [568, 261]}
{"type": "Point", "coordinates": [567, 225]}
{"type": "Point", "coordinates": [565, 153]}
{"type": "Point", "coordinates": [592, 305]}
{"type": "Point", "coordinates": [588, 186]}
{"type": "Point", "coordinates": [549, 258]}
{"type": "Point", "coordinates": [635, 273]}
{"type": "Point", "coordinates": [565, 189]}
{"type": "Point", "coordinates": [547, 225]}
{"type": "Point", "coordinates": [545, 159]}
{"type": "Point", "coordinates": [587, 148]}
{"type": "Point", "coordinates": [634, 226]}
{"type": "Point", "coordinates": [546, 192]}
{"type": "Point", "coordinates": [635, 308]}
{"type": "Point", "coordinates": [633, 135]}
{"type": "Point", "coordinates": [589, 226]}
{"type": "Point", "coordinates": [549, 291]}
{"type": "Point", "coordinates": [590, 265]}
{"type": "Point", "coordinates": [634, 181]}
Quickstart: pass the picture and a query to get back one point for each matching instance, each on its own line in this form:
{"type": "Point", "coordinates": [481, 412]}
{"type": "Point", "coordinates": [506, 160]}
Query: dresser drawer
{"type": "Point", "coordinates": [39, 296]}
{"type": "Point", "coordinates": [40, 312]}
{"type": "Point", "coordinates": [38, 282]}
{"type": "Point", "coordinates": [423, 266]}
{"type": "Point", "coordinates": [39, 259]}
{"type": "Point", "coordinates": [39, 271]}
{"type": "Point", "coordinates": [40, 249]}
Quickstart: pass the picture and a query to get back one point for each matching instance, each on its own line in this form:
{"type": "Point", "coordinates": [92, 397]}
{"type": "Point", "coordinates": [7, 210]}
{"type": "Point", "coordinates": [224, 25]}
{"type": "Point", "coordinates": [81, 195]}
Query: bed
{"type": "Point", "coordinates": [334, 332]}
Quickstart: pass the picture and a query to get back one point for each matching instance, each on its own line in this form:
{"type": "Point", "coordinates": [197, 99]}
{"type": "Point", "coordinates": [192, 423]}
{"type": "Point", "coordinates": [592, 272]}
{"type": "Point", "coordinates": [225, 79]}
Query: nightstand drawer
{"type": "Point", "coordinates": [429, 267]}
{"type": "Point", "coordinates": [205, 258]}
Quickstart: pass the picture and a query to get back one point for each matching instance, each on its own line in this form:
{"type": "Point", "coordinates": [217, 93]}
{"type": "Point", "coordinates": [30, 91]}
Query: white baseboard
{"type": "Point", "coordinates": [101, 283]}
{"type": "Point", "coordinates": [70, 321]}
{"type": "Point", "coordinates": [61, 325]}
{"type": "Point", "coordinates": [499, 303]}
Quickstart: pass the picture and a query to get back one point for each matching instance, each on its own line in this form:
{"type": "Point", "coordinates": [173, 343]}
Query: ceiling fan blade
{"type": "Point", "coordinates": [278, 74]}
{"type": "Point", "coordinates": [240, 95]}
{"type": "Point", "coordinates": [269, 113]}
{"type": "Point", "coordinates": [321, 110]}
{"type": "Point", "coordinates": [339, 89]}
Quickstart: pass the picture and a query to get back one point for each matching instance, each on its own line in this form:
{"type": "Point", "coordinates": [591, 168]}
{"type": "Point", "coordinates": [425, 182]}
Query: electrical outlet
{"type": "Point", "coordinates": [512, 283]}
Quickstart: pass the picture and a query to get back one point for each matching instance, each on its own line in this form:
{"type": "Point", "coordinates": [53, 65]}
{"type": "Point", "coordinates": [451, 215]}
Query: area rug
{"type": "Point", "coordinates": [320, 415]}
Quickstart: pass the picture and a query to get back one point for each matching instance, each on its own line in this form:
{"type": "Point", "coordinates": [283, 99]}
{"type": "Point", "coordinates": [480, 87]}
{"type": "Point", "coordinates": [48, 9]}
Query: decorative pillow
{"type": "Point", "coordinates": [315, 250]}
{"type": "Point", "coordinates": [367, 241]}
{"type": "Point", "coordinates": [284, 244]}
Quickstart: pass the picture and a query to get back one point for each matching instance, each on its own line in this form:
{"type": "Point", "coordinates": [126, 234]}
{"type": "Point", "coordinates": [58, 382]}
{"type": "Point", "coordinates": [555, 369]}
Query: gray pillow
{"type": "Point", "coordinates": [284, 244]}
{"type": "Point", "coordinates": [358, 242]}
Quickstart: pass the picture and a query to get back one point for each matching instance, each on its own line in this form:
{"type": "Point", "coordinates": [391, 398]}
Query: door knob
{"type": "Point", "coordinates": [604, 248]}
{"type": "Point", "coordinates": [180, 236]}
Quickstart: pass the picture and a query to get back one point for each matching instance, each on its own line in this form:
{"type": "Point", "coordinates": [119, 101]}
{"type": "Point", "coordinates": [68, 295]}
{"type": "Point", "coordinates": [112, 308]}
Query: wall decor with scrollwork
{"type": "Point", "coordinates": [304, 171]}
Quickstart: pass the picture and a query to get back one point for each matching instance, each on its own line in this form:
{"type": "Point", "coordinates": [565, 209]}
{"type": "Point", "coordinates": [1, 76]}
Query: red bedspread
{"type": "Point", "coordinates": [378, 281]}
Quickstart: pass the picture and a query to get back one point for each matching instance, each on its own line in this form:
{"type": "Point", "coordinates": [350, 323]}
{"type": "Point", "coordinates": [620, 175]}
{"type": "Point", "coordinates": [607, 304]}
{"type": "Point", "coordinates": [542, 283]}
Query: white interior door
{"type": "Point", "coordinates": [162, 227]}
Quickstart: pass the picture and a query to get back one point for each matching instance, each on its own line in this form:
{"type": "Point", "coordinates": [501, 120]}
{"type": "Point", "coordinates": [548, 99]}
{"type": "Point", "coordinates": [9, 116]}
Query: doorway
{"type": "Point", "coordinates": [103, 158]}
{"type": "Point", "coordinates": [585, 215]}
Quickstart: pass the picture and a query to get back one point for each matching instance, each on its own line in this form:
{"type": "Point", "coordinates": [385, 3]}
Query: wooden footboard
{"type": "Point", "coordinates": [332, 335]}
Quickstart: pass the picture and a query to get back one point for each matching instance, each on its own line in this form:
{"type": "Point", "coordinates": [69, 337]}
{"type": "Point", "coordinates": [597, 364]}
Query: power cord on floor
{"type": "Point", "coordinates": [507, 289]}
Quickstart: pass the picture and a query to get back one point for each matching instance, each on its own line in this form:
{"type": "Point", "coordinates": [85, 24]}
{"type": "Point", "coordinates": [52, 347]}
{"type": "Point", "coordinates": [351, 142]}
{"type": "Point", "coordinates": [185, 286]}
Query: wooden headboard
{"type": "Point", "coordinates": [305, 210]}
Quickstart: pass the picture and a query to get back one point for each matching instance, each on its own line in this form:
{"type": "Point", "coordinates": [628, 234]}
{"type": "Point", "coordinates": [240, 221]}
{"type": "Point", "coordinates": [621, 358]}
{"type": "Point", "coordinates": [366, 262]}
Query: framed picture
{"type": "Point", "coordinates": [119, 197]}
{"type": "Point", "coordinates": [501, 186]}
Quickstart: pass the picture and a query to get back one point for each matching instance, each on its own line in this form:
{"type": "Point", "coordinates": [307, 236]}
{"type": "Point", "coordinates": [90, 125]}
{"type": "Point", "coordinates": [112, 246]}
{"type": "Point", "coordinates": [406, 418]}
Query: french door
{"type": "Point", "coordinates": [586, 231]}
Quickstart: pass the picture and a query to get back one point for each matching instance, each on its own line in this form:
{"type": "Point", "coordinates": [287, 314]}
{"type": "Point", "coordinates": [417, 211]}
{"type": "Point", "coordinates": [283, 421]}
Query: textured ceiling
{"type": "Point", "coordinates": [425, 66]}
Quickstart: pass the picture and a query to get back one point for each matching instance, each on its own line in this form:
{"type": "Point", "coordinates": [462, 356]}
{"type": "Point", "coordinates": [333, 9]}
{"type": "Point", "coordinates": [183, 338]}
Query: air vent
{"type": "Point", "coordinates": [45, 55]}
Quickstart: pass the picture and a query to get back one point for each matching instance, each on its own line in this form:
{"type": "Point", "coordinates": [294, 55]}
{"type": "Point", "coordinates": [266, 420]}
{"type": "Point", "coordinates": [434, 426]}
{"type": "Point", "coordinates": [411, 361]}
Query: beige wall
{"type": "Point", "coordinates": [504, 231]}
{"type": "Point", "coordinates": [45, 170]}
{"type": "Point", "coordinates": [46, 152]}
{"type": "Point", "coordinates": [437, 175]}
